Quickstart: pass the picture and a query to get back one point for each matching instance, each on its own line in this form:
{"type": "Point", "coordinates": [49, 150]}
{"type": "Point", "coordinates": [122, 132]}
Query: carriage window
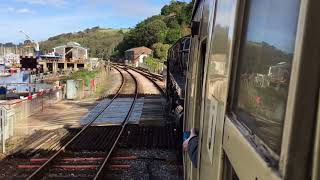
{"type": "Point", "coordinates": [264, 69]}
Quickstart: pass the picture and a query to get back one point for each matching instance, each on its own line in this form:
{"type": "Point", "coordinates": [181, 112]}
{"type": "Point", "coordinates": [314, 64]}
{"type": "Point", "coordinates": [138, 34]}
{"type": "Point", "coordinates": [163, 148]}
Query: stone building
{"type": "Point", "coordinates": [137, 55]}
{"type": "Point", "coordinates": [70, 56]}
{"type": "Point", "coordinates": [72, 51]}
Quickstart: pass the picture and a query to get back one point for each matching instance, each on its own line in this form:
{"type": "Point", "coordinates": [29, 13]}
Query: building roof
{"type": "Point", "coordinates": [71, 44]}
{"type": "Point", "coordinates": [139, 49]}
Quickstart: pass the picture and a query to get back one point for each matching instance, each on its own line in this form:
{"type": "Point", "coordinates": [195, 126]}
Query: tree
{"type": "Point", "coordinates": [173, 7]}
{"type": "Point", "coordinates": [146, 33]}
{"type": "Point", "coordinates": [160, 51]}
{"type": "Point", "coordinates": [171, 22]}
{"type": "Point", "coordinates": [166, 28]}
{"type": "Point", "coordinates": [173, 35]}
{"type": "Point", "coordinates": [155, 31]}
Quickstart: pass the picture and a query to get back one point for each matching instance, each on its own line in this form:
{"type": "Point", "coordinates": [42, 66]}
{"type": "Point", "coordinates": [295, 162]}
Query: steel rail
{"type": "Point", "coordinates": [144, 74]}
{"type": "Point", "coordinates": [44, 167]}
{"type": "Point", "coordinates": [101, 171]}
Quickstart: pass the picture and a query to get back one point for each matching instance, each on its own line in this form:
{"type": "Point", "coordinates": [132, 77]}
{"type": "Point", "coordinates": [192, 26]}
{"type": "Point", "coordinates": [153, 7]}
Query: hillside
{"type": "Point", "coordinates": [101, 42]}
{"type": "Point", "coordinates": [160, 31]}
{"type": "Point", "coordinates": [156, 32]}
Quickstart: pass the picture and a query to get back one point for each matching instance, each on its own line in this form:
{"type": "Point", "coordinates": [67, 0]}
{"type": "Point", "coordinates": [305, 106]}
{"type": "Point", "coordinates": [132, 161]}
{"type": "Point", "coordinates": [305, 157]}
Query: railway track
{"type": "Point", "coordinates": [87, 154]}
{"type": "Point", "coordinates": [151, 145]}
{"type": "Point", "coordinates": [152, 77]}
{"type": "Point", "coordinates": [128, 149]}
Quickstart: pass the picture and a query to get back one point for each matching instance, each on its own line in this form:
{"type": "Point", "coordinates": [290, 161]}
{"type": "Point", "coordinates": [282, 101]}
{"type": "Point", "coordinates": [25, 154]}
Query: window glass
{"type": "Point", "coordinates": [265, 62]}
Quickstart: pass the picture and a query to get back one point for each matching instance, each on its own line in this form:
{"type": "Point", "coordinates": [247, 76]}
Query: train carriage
{"type": "Point", "coordinates": [252, 90]}
{"type": "Point", "coordinates": [178, 56]}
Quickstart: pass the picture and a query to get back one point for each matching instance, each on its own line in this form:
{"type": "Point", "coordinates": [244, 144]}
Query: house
{"type": "Point", "coordinates": [137, 55]}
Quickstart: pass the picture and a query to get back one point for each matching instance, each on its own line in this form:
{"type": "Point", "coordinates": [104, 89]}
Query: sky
{"type": "Point", "coordinates": [42, 19]}
{"type": "Point", "coordinates": [277, 28]}
{"type": "Point", "coordinates": [272, 21]}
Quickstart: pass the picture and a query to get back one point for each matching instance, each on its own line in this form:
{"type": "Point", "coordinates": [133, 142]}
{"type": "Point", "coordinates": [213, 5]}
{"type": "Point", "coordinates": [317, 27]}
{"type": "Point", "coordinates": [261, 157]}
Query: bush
{"type": "Point", "coordinates": [160, 51]}
{"type": "Point", "coordinates": [87, 76]}
{"type": "Point", "coordinates": [153, 64]}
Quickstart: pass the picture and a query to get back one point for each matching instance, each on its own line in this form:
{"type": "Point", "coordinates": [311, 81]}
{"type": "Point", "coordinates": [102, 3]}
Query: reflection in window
{"type": "Point", "coordinates": [264, 67]}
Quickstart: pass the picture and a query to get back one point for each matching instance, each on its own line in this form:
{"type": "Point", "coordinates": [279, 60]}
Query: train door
{"type": "Point", "coordinates": [271, 112]}
{"type": "Point", "coordinates": [198, 95]}
{"type": "Point", "coordinates": [215, 88]}
{"type": "Point", "coordinates": [190, 102]}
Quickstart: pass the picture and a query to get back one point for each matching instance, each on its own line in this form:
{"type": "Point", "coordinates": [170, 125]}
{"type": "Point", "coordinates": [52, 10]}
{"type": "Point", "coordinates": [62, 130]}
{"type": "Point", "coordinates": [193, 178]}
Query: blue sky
{"type": "Point", "coordinates": [279, 27]}
{"type": "Point", "coordinates": [46, 18]}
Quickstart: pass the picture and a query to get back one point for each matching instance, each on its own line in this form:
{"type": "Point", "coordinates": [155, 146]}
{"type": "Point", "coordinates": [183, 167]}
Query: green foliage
{"type": "Point", "coordinates": [85, 75]}
{"type": "Point", "coordinates": [173, 35]}
{"type": "Point", "coordinates": [182, 11]}
{"type": "Point", "coordinates": [172, 22]}
{"type": "Point", "coordinates": [152, 64]}
{"type": "Point", "coordinates": [101, 42]}
{"type": "Point", "coordinates": [165, 28]}
{"type": "Point", "coordinates": [160, 51]}
{"type": "Point", "coordinates": [173, 7]}
{"type": "Point", "coordinates": [146, 33]}
{"type": "Point", "coordinates": [153, 32]}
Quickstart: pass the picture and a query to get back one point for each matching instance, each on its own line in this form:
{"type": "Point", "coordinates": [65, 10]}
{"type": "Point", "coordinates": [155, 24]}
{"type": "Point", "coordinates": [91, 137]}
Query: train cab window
{"type": "Point", "coordinates": [264, 68]}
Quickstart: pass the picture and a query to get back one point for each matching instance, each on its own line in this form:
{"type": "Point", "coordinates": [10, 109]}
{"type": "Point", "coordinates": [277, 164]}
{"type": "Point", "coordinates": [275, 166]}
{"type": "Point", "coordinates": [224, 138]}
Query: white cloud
{"type": "Point", "coordinates": [24, 11]}
{"type": "Point", "coordinates": [10, 9]}
{"type": "Point", "coordinates": [16, 10]}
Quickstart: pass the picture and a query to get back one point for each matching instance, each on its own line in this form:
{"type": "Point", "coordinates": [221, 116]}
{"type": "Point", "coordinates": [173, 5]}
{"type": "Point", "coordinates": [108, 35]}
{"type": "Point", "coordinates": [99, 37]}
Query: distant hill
{"type": "Point", "coordinates": [100, 41]}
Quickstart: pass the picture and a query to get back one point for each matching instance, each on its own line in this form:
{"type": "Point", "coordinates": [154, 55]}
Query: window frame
{"type": "Point", "coordinates": [264, 150]}
{"type": "Point", "coordinates": [236, 133]}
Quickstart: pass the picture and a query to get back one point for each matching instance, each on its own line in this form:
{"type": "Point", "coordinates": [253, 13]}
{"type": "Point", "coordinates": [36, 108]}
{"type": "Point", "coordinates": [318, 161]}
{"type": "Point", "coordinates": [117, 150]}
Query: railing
{"type": "Point", "coordinates": [13, 114]}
